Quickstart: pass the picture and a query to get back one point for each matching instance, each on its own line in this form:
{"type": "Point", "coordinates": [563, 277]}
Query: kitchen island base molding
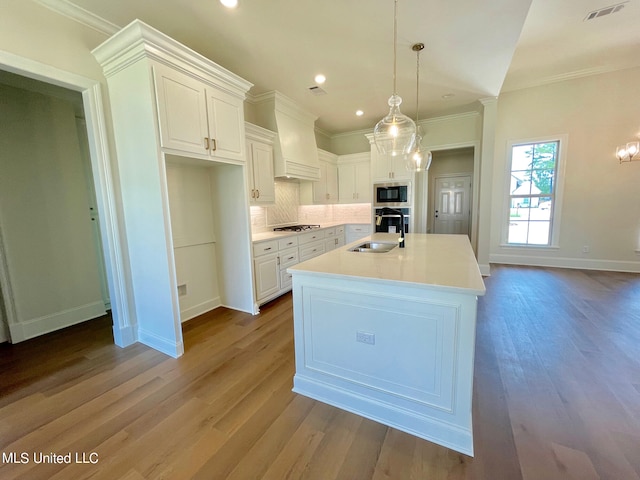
{"type": "Point", "coordinates": [401, 355]}
{"type": "Point", "coordinates": [442, 433]}
{"type": "Point", "coordinates": [391, 335]}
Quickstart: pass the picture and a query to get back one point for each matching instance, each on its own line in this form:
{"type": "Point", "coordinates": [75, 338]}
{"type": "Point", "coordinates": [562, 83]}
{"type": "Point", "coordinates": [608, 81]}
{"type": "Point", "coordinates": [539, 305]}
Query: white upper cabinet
{"type": "Point", "coordinates": [386, 168]}
{"type": "Point", "coordinates": [260, 165]}
{"type": "Point", "coordinates": [197, 118]}
{"type": "Point", "coordinates": [325, 190]}
{"type": "Point", "coordinates": [354, 175]}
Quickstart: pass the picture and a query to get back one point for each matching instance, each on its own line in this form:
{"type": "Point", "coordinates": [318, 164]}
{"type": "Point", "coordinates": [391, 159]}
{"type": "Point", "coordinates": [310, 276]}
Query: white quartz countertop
{"type": "Point", "coordinates": [264, 236]}
{"type": "Point", "coordinates": [444, 262]}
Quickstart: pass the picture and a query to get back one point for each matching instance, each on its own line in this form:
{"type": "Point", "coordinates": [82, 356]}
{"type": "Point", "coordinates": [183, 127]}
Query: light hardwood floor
{"type": "Point", "coordinates": [556, 396]}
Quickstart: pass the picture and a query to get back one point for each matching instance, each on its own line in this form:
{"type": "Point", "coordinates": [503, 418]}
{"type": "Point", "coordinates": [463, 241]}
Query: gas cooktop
{"type": "Point", "coordinates": [295, 228]}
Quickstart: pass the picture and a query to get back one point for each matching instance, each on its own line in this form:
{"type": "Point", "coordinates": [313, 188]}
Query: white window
{"type": "Point", "coordinates": [535, 179]}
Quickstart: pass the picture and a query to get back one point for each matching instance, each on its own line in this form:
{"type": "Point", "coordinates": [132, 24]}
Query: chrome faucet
{"type": "Point", "coordinates": [388, 210]}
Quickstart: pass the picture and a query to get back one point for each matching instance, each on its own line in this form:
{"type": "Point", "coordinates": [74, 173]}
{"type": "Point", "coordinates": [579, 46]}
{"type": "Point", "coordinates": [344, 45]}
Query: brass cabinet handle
{"type": "Point", "coordinates": [258, 193]}
{"type": "Point", "coordinates": [206, 143]}
{"type": "Point", "coordinates": [214, 147]}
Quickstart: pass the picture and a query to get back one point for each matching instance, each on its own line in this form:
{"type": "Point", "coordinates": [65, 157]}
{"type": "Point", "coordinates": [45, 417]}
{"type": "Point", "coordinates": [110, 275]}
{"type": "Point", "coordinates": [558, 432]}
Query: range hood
{"type": "Point", "coordinates": [295, 150]}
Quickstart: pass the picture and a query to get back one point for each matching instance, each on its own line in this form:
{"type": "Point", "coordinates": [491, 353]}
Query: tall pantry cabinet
{"type": "Point", "coordinates": [172, 107]}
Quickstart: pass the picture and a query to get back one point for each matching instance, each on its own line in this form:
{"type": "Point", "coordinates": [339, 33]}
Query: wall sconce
{"type": "Point", "coordinates": [628, 152]}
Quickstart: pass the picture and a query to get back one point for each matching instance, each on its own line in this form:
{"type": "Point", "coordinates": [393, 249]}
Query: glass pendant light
{"type": "Point", "coordinates": [418, 160]}
{"type": "Point", "coordinates": [394, 135]}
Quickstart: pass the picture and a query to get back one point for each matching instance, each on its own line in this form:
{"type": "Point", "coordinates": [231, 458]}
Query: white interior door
{"type": "Point", "coordinates": [452, 205]}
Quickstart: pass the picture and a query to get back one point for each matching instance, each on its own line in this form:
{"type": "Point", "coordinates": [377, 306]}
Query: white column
{"type": "Point", "coordinates": [489, 118]}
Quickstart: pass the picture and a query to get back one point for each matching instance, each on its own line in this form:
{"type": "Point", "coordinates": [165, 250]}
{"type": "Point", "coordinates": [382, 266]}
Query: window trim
{"type": "Point", "coordinates": [554, 241]}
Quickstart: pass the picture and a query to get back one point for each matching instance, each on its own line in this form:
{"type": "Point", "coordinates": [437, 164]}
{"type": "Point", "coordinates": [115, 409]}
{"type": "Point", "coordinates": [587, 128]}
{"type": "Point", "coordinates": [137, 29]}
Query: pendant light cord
{"type": "Point", "coordinates": [417, 47]}
{"type": "Point", "coordinates": [395, 43]}
{"type": "Point", "coordinates": [417, 85]}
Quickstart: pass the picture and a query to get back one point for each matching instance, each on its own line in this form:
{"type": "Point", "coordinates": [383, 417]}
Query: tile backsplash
{"type": "Point", "coordinates": [288, 210]}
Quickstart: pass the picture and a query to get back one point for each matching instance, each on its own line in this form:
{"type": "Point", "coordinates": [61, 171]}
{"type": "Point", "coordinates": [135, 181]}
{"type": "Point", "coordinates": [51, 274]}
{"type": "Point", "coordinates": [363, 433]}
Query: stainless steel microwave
{"type": "Point", "coordinates": [396, 194]}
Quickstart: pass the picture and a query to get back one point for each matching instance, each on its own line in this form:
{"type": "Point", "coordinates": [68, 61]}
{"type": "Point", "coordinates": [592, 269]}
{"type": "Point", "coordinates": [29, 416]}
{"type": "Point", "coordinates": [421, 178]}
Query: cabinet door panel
{"type": "Point", "coordinates": [332, 183]}
{"type": "Point", "coordinates": [380, 168]}
{"type": "Point", "coordinates": [226, 119]}
{"type": "Point", "coordinates": [363, 185]}
{"type": "Point", "coordinates": [182, 111]}
{"type": "Point", "coordinates": [267, 273]}
{"type": "Point", "coordinates": [345, 184]}
{"type": "Point", "coordinates": [262, 158]}
{"type": "Point", "coordinates": [320, 187]}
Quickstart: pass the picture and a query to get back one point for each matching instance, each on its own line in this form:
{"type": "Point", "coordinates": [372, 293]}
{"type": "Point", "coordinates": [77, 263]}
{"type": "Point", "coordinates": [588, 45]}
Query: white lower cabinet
{"type": "Point", "coordinates": [266, 266]}
{"type": "Point", "coordinates": [312, 244]}
{"type": "Point", "coordinates": [356, 231]}
{"type": "Point", "coordinates": [271, 258]}
{"type": "Point", "coordinates": [334, 238]}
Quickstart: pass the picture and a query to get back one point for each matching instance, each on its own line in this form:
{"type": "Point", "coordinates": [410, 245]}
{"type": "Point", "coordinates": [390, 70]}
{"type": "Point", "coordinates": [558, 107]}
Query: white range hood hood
{"type": "Point", "coordinates": [295, 150]}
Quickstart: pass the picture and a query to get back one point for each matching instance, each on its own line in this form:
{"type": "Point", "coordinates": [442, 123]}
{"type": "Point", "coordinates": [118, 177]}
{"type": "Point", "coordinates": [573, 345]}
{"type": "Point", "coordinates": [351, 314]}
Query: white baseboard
{"type": "Point", "coordinates": [566, 262]}
{"type": "Point", "coordinates": [485, 270]}
{"type": "Point", "coordinates": [26, 329]}
{"type": "Point", "coordinates": [124, 336]}
{"type": "Point", "coordinates": [429, 428]}
{"type": "Point", "coordinates": [164, 345]}
{"type": "Point", "coordinates": [204, 307]}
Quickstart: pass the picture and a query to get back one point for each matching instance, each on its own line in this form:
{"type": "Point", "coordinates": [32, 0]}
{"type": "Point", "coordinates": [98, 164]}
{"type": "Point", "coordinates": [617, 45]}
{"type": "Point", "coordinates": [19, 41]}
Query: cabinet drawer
{"type": "Point", "coordinates": [330, 232]}
{"type": "Point", "coordinates": [263, 248]}
{"type": "Point", "coordinates": [311, 237]}
{"type": "Point", "coordinates": [288, 257]}
{"type": "Point", "coordinates": [287, 242]}
{"type": "Point", "coordinates": [312, 250]}
{"type": "Point", "coordinates": [285, 280]}
{"type": "Point", "coordinates": [340, 230]}
{"type": "Point", "coordinates": [359, 229]}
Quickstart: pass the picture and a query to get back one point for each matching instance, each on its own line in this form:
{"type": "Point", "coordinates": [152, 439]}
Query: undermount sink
{"type": "Point", "coordinates": [374, 247]}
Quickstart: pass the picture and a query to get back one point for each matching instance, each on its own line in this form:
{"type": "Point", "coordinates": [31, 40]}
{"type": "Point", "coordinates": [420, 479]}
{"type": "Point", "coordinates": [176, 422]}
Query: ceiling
{"type": "Point", "coordinates": [473, 50]}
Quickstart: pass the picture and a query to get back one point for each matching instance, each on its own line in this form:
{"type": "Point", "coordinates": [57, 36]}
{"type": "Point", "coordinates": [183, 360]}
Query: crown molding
{"type": "Point", "coordinates": [139, 40]}
{"type": "Point", "coordinates": [563, 77]}
{"type": "Point", "coordinates": [80, 15]}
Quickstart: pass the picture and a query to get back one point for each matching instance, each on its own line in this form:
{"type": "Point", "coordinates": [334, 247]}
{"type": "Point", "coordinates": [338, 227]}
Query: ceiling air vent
{"type": "Point", "coordinates": [316, 90]}
{"type": "Point", "coordinates": [605, 11]}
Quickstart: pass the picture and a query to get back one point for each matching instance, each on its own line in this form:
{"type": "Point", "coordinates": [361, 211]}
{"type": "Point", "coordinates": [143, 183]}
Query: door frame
{"type": "Point", "coordinates": [124, 331]}
{"type": "Point", "coordinates": [475, 187]}
{"type": "Point", "coordinates": [435, 200]}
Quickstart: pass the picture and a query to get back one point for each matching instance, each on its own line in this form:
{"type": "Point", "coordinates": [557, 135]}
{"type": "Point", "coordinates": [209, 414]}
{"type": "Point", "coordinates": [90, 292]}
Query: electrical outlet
{"type": "Point", "coordinates": [364, 337]}
{"type": "Point", "coordinates": [182, 290]}
{"type": "Point", "coordinates": [585, 249]}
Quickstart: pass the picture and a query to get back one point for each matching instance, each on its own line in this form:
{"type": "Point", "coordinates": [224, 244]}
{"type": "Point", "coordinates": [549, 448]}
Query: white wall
{"type": "Point", "coordinates": [194, 239]}
{"type": "Point", "coordinates": [44, 216]}
{"type": "Point", "coordinates": [35, 32]}
{"type": "Point", "coordinates": [601, 207]}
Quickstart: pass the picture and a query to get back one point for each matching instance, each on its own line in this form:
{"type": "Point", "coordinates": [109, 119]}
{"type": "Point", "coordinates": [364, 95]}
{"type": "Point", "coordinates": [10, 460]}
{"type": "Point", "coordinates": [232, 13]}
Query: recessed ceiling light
{"type": "Point", "coordinates": [359, 113]}
{"type": "Point", "coordinates": [320, 79]}
{"type": "Point", "coordinates": [229, 3]}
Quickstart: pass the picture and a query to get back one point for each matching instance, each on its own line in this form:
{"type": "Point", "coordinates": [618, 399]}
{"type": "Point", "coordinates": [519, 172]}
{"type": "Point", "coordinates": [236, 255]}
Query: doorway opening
{"type": "Point", "coordinates": [450, 164]}
{"type": "Point", "coordinates": [115, 269]}
{"type": "Point", "coordinates": [53, 258]}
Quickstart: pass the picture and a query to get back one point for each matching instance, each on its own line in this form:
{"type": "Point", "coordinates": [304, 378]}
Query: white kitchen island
{"type": "Point", "coordinates": [390, 336]}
